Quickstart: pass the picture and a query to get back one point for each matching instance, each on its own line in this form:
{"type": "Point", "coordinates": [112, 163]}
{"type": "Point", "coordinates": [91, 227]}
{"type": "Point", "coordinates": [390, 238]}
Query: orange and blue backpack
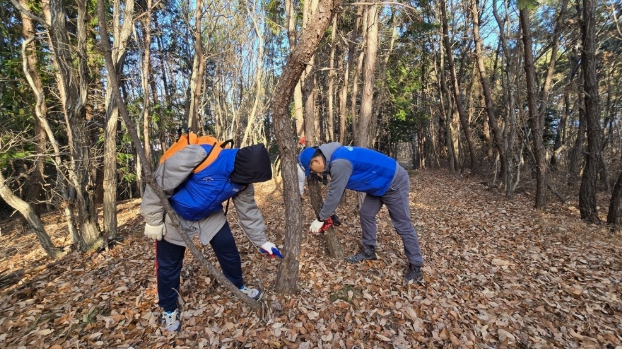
{"type": "Point", "coordinates": [208, 186]}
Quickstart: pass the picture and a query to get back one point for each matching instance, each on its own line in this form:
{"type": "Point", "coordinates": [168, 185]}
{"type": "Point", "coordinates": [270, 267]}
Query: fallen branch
{"type": "Point", "coordinates": [559, 196]}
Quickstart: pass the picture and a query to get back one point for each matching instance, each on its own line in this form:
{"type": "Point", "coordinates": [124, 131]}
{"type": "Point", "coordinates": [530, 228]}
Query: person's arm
{"type": "Point", "coordinates": [249, 215]}
{"type": "Point", "coordinates": [169, 175]}
{"type": "Point", "coordinates": [340, 172]}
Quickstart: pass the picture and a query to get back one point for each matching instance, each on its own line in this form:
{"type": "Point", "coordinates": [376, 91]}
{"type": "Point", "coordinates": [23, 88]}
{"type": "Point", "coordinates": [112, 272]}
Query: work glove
{"type": "Point", "coordinates": [155, 232]}
{"type": "Point", "coordinates": [316, 226]}
{"type": "Point", "coordinates": [270, 249]}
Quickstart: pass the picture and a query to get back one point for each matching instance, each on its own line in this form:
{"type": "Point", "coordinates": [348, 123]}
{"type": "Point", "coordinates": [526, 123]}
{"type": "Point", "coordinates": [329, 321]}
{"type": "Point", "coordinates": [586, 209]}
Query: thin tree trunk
{"type": "Point", "coordinates": [587, 192]}
{"type": "Point", "coordinates": [457, 92]}
{"type": "Point", "coordinates": [331, 82]}
{"type": "Point", "coordinates": [198, 68]}
{"type": "Point", "coordinates": [36, 192]}
{"type": "Point", "coordinates": [362, 25]}
{"type": "Point", "coordinates": [367, 100]}
{"type": "Point", "coordinates": [73, 87]}
{"type": "Point", "coordinates": [31, 217]}
{"type": "Point", "coordinates": [490, 108]}
{"type": "Point", "coordinates": [287, 275]}
{"type": "Point", "coordinates": [144, 78]}
{"type": "Point", "coordinates": [291, 36]}
{"type": "Point", "coordinates": [536, 119]}
{"type": "Point", "coordinates": [121, 35]}
{"type": "Point", "coordinates": [613, 216]}
{"type": "Point", "coordinates": [257, 84]}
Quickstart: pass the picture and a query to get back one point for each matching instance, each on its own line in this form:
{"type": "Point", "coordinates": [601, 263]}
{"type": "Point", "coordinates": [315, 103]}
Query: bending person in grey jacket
{"type": "Point", "coordinates": [197, 198]}
{"type": "Point", "coordinates": [383, 180]}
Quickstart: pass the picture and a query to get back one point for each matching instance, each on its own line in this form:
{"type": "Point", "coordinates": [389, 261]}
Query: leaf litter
{"type": "Point", "coordinates": [498, 274]}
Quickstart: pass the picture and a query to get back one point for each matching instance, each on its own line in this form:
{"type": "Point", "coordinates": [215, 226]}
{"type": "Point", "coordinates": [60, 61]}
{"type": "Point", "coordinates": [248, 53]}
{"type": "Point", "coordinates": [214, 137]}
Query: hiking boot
{"type": "Point", "coordinates": [170, 320]}
{"type": "Point", "coordinates": [412, 273]}
{"type": "Point", "coordinates": [366, 252]}
{"type": "Point", "coordinates": [252, 293]}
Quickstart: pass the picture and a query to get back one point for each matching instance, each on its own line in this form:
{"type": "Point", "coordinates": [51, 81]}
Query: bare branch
{"type": "Point", "coordinates": [30, 14]}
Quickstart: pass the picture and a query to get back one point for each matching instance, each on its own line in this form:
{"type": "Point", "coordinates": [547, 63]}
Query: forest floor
{"type": "Point", "coordinates": [498, 274]}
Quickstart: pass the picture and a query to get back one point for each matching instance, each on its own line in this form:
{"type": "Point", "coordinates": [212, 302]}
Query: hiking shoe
{"type": "Point", "coordinates": [252, 292]}
{"type": "Point", "coordinates": [170, 320]}
{"type": "Point", "coordinates": [366, 252]}
{"type": "Point", "coordinates": [412, 273]}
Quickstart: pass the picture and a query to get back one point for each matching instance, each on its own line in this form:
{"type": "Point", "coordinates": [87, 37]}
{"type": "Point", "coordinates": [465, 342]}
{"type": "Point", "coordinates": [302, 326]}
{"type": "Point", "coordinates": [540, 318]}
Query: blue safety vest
{"type": "Point", "coordinates": [372, 172]}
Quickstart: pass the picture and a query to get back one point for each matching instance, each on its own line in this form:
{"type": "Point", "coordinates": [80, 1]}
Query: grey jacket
{"type": "Point", "coordinates": [170, 174]}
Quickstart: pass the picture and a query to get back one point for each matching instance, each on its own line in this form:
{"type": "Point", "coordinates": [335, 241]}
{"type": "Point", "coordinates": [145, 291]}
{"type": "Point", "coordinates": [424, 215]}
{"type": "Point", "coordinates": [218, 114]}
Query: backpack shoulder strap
{"type": "Point", "coordinates": [214, 152]}
{"type": "Point", "coordinates": [180, 144]}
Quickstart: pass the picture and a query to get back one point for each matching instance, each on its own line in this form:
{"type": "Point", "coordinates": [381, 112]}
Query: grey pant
{"type": "Point", "coordinates": [397, 202]}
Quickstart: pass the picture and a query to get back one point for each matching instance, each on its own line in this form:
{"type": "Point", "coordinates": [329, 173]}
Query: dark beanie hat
{"type": "Point", "coordinates": [252, 165]}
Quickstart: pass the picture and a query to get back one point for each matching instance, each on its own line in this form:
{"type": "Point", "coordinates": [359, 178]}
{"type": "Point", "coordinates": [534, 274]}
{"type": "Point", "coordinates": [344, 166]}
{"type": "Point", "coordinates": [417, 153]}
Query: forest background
{"type": "Point", "coordinates": [523, 94]}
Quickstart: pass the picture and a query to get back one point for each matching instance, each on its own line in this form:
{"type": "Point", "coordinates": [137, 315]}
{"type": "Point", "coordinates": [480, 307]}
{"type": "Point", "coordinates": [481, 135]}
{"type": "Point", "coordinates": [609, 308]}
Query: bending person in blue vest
{"type": "Point", "coordinates": [197, 198]}
{"type": "Point", "coordinates": [383, 180]}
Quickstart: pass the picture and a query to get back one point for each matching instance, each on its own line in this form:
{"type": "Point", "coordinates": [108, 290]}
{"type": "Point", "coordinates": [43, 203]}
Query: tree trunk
{"type": "Point", "coordinates": [291, 36]}
{"type": "Point", "coordinates": [490, 108]}
{"type": "Point", "coordinates": [331, 82]}
{"type": "Point", "coordinates": [367, 100]}
{"type": "Point", "coordinates": [31, 217]}
{"type": "Point", "coordinates": [198, 68]}
{"type": "Point", "coordinates": [121, 35]}
{"type": "Point", "coordinates": [258, 79]}
{"type": "Point", "coordinates": [343, 102]}
{"type": "Point", "coordinates": [288, 269]}
{"type": "Point", "coordinates": [613, 216]}
{"type": "Point", "coordinates": [536, 119]}
{"type": "Point", "coordinates": [509, 117]}
{"type": "Point", "coordinates": [144, 78]}
{"type": "Point", "coordinates": [36, 192]}
{"type": "Point", "coordinates": [587, 192]}
{"type": "Point", "coordinates": [361, 25]}
{"type": "Point", "coordinates": [73, 87]}
{"type": "Point", "coordinates": [457, 92]}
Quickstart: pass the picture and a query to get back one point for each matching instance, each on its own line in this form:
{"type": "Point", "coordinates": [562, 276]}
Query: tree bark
{"type": "Point", "coordinates": [613, 216]}
{"type": "Point", "coordinates": [72, 81]}
{"type": "Point", "coordinates": [367, 100]}
{"type": "Point", "coordinates": [122, 34]}
{"type": "Point", "coordinates": [36, 192]}
{"type": "Point", "coordinates": [198, 68]}
{"type": "Point", "coordinates": [331, 82]}
{"type": "Point", "coordinates": [258, 81]}
{"type": "Point", "coordinates": [457, 92]}
{"type": "Point", "coordinates": [26, 210]}
{"type": "Point", "coordinates": [291, 36]}
{"type": "Point", "coordinates": [361, 25]}
{"type": "Point", "coordinates": [536, 119]}
{"type": "Point", "coordinates": [287, 275]}
{"type": "Point", "coordinates": [490, 108]}
{"type": "Point", "coordinates": [587, 192]}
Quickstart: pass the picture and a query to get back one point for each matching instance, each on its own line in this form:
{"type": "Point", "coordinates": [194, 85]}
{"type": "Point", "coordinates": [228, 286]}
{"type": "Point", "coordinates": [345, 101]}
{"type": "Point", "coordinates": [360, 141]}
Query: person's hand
{"type": "Point", "coordinates": [155, 232]}
{"type": "Point", "coordinates": [270, 249]}
{"type": "Point", "coordinates": [316, 226]}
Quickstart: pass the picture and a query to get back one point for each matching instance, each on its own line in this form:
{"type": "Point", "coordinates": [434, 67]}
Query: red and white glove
{"type": "Point", "coordinates": [316, 226]}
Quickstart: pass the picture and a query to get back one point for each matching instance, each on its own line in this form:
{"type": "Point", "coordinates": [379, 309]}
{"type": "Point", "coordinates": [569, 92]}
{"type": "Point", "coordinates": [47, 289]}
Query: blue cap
{"type": "Point", "coordinates": [304, 159]}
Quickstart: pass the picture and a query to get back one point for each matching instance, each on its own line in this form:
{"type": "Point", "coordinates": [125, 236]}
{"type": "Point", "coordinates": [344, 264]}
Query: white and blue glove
{"type": "Point", "coordinates": [270, 249]}
{"type": "Point", "coordinates": [155, 232]}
